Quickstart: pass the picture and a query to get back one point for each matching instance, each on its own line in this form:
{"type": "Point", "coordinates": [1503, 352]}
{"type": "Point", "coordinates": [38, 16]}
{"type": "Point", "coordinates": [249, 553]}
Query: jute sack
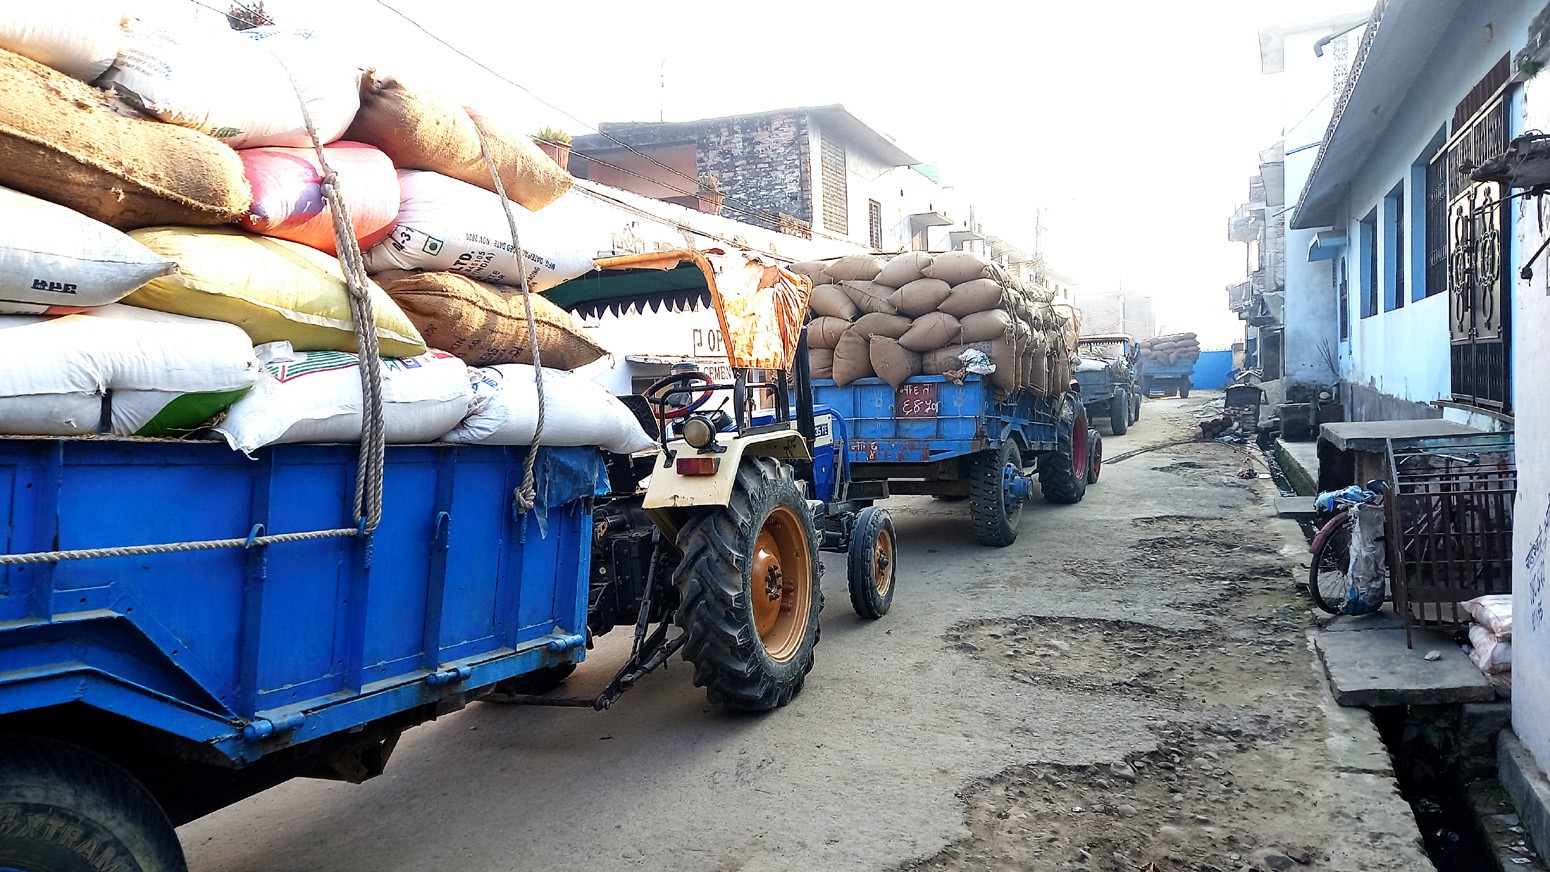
{"type": "Point", "coordinates": [901, 269]}
{"type": "Point", "coordinates": [852, 358]}
{"type": "Point", "coordinates": [1003, 353]}
{"type": "Point", "coordinates": [950, 359]}
{"type": "Point", "coordinates": [55, 260]}
{"type": "Point", "coordinates": [892, 362]}
{"type": "Point", "coordinates": [484, 325]}
{"type": "Point", "coordinates": [985, 326]}
{"type": "Point", "coordinates": [821, 362]}
{"type": "Point", "coordinates": [918, 297]}
{"type": "Point", "coordinates": [882, 324]}
{"type": "Point", "coordinates": [869, 297]}
{"type": "Point", "coordinates": [813, 269]}
{"type": "Point", "coordinates": [831, 300]}
{"type": "Point", "coordinates": [978, 295]}
{"type": "Point", "coordinates": [825, 332]}
{"type": "Point", "coordinates": [236, 87]}
{"type": "Point", "coordinates": [957, 267]}
{"type": "Point", "coordinates": [273, 289]}
{"type": "Point", "coordinates": [425, 131]}
{"type": "Point", "coordinates": [76, 37]}
{"type": "Point", "coordinates": [855, 268]}
{"type": "Point", "coordinates": [64, 141]}
{"type": "Point", "coordinates": [930, 332]}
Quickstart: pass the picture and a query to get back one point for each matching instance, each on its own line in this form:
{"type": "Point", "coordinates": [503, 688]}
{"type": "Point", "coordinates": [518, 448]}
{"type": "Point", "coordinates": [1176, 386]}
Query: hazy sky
{"type": "Point", "coordinates": [1133, 124]}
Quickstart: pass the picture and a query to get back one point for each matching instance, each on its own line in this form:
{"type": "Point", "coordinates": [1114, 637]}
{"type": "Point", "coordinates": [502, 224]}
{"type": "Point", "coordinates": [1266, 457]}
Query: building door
{"type": "Point", "coordinates": [1478, 239]}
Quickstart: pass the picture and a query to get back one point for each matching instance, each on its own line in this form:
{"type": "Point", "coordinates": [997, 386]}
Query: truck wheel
{"type": "Point", "coordinates": [1119, 414]}
{"type": "Point", "coordinates": [1184, 387]}
{"type": "Point", "coordinates": [1094, 455]}
{"type": "Point", "coordinates": [66, 809]}
{"type": "Point", "coordinates": [872, 565]}
{"type": "Point", "coordinates": [750, 595]}
{"type": "Point", "coordinates": [994, 505]}
{"type": "Point", "coordinates": [540, 680]}
{"type": "Point", "coordinates": [1063, 472]}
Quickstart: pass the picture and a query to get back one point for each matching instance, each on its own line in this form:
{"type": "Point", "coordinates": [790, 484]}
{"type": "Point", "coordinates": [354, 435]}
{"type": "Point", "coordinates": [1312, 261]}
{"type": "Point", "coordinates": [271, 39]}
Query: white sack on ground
{"type": "Point", "coordinates": [148, 373]}
{"type": "Point", "coordinates": [445, 225]}
{"type": "Point", "coordinates": [79, 38]}
{"type": "Point", "coordinates": [315, 396]}
{"type": "Point", "coordinates": [577, 411]}
{"type": "Point", "coordinates": [54, 259]}
{"type": "Point", "coordinates": [1494, 612]}
{"type": "Point", "coordinates": [237, 87]}
{"type": "Point", "coordinates": [1487, 651]}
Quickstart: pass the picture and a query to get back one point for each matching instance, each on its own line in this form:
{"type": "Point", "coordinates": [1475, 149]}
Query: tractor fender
{"type": "Point", "coordinates": [669, 490]}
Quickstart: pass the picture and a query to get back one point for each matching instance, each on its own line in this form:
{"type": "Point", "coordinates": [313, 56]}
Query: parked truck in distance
{"type": "Point", "coordinates": [1108, 378]}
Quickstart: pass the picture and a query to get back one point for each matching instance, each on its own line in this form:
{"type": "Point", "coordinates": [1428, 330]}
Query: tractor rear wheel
{"type": "Point", "coordinates": [873, 558]}
{"type": "Point", "coordinates": [749, 587]}
{"type": "Point", "coordinates": [994, 504]}
{"type": "Point", "coordinates": [1063, 472]}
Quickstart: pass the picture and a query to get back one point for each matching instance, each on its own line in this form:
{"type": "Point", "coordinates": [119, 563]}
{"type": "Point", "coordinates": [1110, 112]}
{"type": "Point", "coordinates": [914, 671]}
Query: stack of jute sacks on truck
{"type": "Point", "coordinates": [1171, 349]}
{"type": "Point", "coordinates": [919, 313]}
{"type": "Point", "coordinates": [169, 264]}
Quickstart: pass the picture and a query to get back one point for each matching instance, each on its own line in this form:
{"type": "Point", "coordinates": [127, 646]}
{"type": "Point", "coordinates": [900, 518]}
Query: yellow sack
{"type": "Point", "coordinates": [271, 288]}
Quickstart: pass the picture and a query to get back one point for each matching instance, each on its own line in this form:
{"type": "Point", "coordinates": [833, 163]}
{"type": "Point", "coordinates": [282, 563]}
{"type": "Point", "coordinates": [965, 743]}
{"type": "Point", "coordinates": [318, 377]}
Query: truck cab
{"type": "Point", "coordinates": [1108, 378]}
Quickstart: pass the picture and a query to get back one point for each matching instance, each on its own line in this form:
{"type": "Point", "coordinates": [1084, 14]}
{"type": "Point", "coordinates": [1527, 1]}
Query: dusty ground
{"type": "Point", "coordinates": [1127, 687]}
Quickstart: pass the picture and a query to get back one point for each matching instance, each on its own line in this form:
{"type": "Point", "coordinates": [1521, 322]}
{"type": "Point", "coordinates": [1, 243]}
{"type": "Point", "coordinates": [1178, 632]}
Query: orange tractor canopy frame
{"type": "Point", "coordinates": [761, 307]}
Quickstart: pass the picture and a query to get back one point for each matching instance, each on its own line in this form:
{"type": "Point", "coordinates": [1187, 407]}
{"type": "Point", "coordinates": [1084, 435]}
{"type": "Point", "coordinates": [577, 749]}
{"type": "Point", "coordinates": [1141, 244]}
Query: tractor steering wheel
{"type": "Point", "coordinates": [657, 394]}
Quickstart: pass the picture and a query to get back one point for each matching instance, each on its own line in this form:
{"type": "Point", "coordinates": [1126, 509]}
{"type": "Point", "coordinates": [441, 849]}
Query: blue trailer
{"type": "Point", "coordinates": [966, 440]}
{"type": "Point", "coordinates": [1167, 378]}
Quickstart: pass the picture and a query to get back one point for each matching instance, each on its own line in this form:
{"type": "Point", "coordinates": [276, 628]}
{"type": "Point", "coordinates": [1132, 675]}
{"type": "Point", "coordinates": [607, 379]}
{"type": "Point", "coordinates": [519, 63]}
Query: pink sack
{"type": "Point", "coordinates": [288, 193]}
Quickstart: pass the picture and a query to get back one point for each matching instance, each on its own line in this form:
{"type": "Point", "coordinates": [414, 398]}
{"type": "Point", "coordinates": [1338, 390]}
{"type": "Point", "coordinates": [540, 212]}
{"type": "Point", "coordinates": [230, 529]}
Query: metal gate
{"type": "Point", "coordinates": [1477, 264]}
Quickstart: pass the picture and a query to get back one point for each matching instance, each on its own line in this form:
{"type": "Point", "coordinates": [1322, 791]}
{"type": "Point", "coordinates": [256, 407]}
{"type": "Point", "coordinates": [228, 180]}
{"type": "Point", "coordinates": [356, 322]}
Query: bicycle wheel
{"type": "Point", "coordinates": [1329, 574]}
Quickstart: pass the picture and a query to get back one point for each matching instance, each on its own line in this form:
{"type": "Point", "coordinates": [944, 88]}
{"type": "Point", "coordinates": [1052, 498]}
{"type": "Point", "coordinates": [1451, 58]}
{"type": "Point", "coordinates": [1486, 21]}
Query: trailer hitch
{"type": "Point", "coordinates": [650, 649]}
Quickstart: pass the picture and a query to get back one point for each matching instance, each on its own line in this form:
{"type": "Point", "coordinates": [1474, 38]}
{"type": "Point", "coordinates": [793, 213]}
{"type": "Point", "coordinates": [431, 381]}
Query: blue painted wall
{"type": "Point", "coordinates": [1211, 369]}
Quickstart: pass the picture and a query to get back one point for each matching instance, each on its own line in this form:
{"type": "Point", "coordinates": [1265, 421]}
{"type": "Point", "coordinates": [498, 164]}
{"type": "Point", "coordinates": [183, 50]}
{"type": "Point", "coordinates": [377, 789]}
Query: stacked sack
{"type": "Point", "coordinates": [1490, 639]}
{"type": "Point", "coordinates": [923, 314]}
{"type": "Point", "coordinates": [1171, 349]}
{"type": "Point", "coordinates": [171, 263]}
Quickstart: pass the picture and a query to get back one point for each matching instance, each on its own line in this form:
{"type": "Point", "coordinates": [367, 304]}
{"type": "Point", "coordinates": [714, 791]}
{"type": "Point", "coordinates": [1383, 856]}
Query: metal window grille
{"type": "Point", "coordinates": [874, 215]}
{"type": "Point", "coordinates": [1343, 294]}
{"type": "Point", "coordinates": [1399, 251]}
{"type": "Point", "coordinates": [836, 213]}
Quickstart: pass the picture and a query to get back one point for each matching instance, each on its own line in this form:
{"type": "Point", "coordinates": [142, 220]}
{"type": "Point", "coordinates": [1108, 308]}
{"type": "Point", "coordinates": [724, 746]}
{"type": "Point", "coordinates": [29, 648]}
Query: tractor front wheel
{"type": "Point", "coordinates": [1119, 414]}
{"type": "Point", "coordinates": [749, 587]}
{"type": "Point", "coordinates": [873, 560]}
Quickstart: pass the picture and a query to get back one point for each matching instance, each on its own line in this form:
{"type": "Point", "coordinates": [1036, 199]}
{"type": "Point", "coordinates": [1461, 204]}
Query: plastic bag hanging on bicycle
{"type": "Point", "coordinates": [1369, 569]}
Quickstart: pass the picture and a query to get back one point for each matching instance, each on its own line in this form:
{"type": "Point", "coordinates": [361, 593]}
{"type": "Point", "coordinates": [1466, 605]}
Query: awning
{"type": "Point", "coordinates": [1326, 245]}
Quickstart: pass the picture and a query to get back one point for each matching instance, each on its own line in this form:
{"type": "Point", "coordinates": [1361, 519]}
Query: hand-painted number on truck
{"type": "Point", "coordinates": [916, 401]}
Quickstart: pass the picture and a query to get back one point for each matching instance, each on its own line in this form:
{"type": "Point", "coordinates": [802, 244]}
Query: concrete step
{"type": "Point", "coordinates": [1372, 667]}
{"type": "Point", "coordinates": [1295, 508]}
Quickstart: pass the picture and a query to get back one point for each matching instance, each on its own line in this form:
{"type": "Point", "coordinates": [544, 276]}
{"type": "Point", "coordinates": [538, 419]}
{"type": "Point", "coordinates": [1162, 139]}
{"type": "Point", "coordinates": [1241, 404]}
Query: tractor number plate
{"type": "Point", "coordinates": [916, 401]}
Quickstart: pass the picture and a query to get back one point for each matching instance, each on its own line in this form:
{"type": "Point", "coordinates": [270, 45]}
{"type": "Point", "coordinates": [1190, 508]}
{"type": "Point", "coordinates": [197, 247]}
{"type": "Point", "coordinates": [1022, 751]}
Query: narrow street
{"type": "Point", "coordinates": [1127, 687]}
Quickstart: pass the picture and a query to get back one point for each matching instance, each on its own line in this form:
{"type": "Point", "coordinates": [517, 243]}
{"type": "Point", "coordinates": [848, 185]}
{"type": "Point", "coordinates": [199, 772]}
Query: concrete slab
{"type": "Point", "coordinates": [1300, 462]}
{"type": "Point", "coordinates": [1372, 435]}
{"type": "Point", "coordinates": [1382, 620]}
{"type": "Point", "coordinates": [1295, 507]}
{"type": "Point", "coordinates": [1526, 784]}
{"type": "Point", "coordinates": [1374, 668]}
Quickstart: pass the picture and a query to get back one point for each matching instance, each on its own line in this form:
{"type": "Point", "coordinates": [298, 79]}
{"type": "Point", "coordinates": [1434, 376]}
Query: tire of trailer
{"type": "Point", "coordinates": [72, 810]}
{"type": "Point", "coordinates": [1059, 478]}
{"type": "Point", "coordinates": [1119, 414]}
{"type": "Point", "coordinates": [995, 522]}
{"type": "Point", "coordinates": [872, 563]}
{"type": "Point", "coordinates": [540, 680]}
{"type": "Point", "coordinates": [751, 642]}
{"type": "Point", "coordinates": [1184, 387]}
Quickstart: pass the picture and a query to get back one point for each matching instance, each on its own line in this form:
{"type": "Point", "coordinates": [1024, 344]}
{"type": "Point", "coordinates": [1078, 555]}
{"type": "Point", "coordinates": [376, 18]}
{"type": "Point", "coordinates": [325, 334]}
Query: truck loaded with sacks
{"type": "Point", "coordinates": [299, 449]}
{"type": "Point", "coordinates": [954, 380]}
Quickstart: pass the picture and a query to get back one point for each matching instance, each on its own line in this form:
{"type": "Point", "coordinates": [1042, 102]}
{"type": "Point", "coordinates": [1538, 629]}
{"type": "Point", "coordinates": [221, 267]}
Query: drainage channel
{"type": "Point", "coordinates": [1422, 742]}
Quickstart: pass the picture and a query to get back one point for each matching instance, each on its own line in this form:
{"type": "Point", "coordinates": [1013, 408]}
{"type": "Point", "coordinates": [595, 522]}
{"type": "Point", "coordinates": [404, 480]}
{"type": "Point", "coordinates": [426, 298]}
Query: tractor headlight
{"type": "Point", "coordinates": [698, 432]}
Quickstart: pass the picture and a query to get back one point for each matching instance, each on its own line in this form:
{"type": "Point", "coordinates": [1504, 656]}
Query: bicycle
{"type": "Point", "coordinates": [1329, 572]}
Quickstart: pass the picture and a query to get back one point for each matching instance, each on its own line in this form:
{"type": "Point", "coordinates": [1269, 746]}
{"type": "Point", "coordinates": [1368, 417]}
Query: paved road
{"type": "Point", "coordinates": [863, 771]}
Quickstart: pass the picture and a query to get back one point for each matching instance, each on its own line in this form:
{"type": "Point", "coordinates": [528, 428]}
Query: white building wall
{"type": "Point", "coordinates": [1531, 529]}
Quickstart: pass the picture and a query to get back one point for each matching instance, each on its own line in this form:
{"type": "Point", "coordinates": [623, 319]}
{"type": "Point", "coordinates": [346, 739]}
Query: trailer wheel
{"type": "Point", "coordinates": [994, 504]}
{"type": "Point", "coordinates": [66, 809]}
{"type": "Point", "coordinates": [1063, 472]}
{"type": "Point", "coordinates": [749, 582]}
{"type": "Point", "coordinates": [539, 681]}
{"type": "Point", "coordinates": [873, 562]}
{"type": "Point", "coordinates": [1094, 455]}
{"type": "Point", "coordinates": [1184, 387]}
{"type": "Point", "coordinates": [1119, 414]}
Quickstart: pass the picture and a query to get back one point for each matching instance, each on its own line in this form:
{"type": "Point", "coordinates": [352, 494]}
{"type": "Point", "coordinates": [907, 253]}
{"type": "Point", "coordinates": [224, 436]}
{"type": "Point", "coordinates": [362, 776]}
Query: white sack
{"type": "Point", "coordinates": [1494, 612]}
{"type": "Point", "coordinates": [577, 411]}
{"type": "Point", "coordinates": [1489, 652]}
{"type": "Point", "coordinates": [53, 258]}
{"type": "Point", "coordinates": [445, 225]}
{"type": "Point", "coordinates": [237, 87]}
{"type": "Point", "coordinates": [315, 396]}
{"type": "Point", "coordinates": [56, 374]}
{"type": "Point", "coordinates": [79, 38]}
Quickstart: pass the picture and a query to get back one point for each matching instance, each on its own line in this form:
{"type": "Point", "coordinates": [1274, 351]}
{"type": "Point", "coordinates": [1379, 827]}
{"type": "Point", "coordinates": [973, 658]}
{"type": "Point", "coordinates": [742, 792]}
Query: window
{"type": "Point", "coordinates": [836, 213]}
{"type": "Point", "coordinates": [1394, 249]}
{"type": "Point", "coordinates": [1368, 239]}
{"type": "Point", "coordinates": [1436, 236]}
{"type": "Point", "coordinates": [1343, 295]}
{"type": "Point", "coordinates": [874, 221]}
